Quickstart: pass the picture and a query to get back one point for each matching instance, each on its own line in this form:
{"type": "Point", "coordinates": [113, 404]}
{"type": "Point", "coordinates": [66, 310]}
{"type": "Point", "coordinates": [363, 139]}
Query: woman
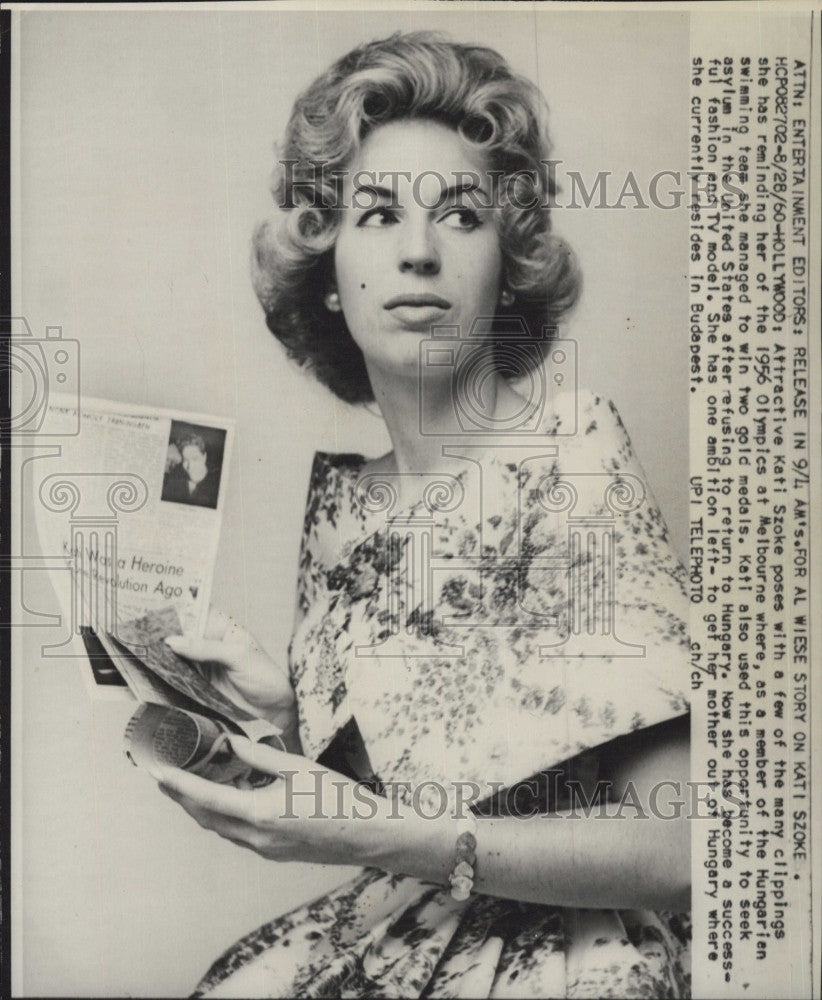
{"type": "Point", "coordinates": [484, 617]}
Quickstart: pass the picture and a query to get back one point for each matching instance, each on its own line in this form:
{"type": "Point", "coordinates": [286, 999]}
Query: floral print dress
{"type": "Point", "coordinates": [525, 612]}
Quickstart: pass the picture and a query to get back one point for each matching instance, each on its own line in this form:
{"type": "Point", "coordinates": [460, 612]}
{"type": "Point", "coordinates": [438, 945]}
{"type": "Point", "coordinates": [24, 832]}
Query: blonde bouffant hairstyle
{"type": "Point", "coordinates": [418, 75]}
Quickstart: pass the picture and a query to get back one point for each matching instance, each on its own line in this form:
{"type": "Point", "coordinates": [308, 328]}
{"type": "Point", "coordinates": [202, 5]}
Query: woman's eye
{"type": "Point", "coordinates": [462, 218]}
{"type": "Point", "coordinates": [377, 218]}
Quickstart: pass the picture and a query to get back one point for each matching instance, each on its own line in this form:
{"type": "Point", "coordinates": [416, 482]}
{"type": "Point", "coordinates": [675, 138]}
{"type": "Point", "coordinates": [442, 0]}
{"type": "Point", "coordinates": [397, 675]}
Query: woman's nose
{"type": "Point", "coordinates": [418, 252]}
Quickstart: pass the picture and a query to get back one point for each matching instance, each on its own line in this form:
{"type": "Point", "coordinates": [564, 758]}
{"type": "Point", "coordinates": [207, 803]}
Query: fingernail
{"type": "Point", "coordinates": [157, 771]}
{"type": "Point", "coordinates": [176, 642]}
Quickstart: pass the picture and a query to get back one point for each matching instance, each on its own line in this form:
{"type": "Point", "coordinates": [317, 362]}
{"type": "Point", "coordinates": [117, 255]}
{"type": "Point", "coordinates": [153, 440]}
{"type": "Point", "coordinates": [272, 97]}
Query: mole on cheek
{"type": "Point", "coordinates": [362, 286]}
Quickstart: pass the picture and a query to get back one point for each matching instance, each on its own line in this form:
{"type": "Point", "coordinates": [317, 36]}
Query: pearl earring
{"type": "Point", "coordinates": [332, 302]}
{"type": "Point", "coordinates": [507, 297]}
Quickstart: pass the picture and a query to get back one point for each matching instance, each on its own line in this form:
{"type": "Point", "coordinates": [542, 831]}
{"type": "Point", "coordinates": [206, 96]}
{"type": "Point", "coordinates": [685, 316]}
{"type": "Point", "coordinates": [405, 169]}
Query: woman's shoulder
{"type": "Point", "coordinates": [587, 424]}
{"type": "Point", "coordinates": [571, 410]}
{"type": "Point", "coordinates": [326, 463]}
{"type": "Point", "coordinates": [330, 487]}
{"type": "Point", "coordinates": [335, 474]}
{"type": "Point", "coordinates": [333, 515]}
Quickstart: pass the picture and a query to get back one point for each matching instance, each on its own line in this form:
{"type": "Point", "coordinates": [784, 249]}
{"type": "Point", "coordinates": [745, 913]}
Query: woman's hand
{"type": "Point", "coordinates": [232, 660]}
{"type": "Point", "coordinates": [309, 814]}
{"type": "Point", "coordinates": [569, 859]}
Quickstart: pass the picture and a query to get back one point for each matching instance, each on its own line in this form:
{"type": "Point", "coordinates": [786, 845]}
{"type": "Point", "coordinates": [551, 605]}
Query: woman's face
{"type": "Point", "coordinates": [413, 250]}
{"type": "Point", "coordinates": [194, 463]}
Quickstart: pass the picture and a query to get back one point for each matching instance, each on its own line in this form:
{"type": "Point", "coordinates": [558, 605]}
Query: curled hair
{"type": "Point", "coordinates": [192, 439]}
{"type": "Point", "coordinates": [417, 75]}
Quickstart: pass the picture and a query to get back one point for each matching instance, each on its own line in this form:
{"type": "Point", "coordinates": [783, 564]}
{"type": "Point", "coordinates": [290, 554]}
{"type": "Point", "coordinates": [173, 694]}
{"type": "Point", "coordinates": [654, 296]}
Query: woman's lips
{"type": "Point", "coordinates": [418, 300]}
{"type": "Point", "coordinates": [419, 311]}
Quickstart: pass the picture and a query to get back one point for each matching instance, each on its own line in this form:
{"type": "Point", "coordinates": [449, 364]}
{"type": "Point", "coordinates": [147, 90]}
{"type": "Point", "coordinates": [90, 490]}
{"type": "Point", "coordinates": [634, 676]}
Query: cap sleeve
{"type": "Point", "coordinates": [626, 663]}
{"type": "Point", "coordinates": [650, 581]}
{"type": "Point", "coordinates": [327, 507]}
{"type": "Point", "coordinates": [598, 560]}
{"type": "Point", "coordinates": [317, 655]}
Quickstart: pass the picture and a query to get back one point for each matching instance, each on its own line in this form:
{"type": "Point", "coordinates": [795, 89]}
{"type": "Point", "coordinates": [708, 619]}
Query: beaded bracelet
{"type": "Point", "coordinates": [465, 858]}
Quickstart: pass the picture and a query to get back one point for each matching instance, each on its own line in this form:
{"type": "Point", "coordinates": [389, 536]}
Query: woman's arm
{"type": "Point", "coordinates": [570, 859]}
{"type": "Point", "coordinates": [589, 861]}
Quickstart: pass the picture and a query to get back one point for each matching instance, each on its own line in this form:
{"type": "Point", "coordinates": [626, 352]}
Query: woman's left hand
{"type": "Point", "coordinates": [308, 814]}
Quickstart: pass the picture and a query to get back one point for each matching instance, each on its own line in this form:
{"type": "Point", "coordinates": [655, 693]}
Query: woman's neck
{"type": "Point", "coordinates": [420, 422]}
{"type": "Point", "coordinates": [408, 414]}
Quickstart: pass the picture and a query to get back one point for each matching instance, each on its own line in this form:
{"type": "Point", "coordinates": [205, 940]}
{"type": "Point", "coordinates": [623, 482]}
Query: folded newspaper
{"type": "Point", "coordinates": [183, 720]}
{"type": "Point", "coordinates": [129, 516]}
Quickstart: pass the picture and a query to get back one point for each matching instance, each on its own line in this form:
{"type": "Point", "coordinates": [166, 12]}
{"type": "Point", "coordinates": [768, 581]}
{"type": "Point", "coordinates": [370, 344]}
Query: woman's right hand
{"type": "Point", "coordinates": [232, 660]}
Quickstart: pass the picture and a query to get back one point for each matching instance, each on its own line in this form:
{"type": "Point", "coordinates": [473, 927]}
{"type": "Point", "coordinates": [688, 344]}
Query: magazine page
{"type": "Point", "coordinates": [446, 378]}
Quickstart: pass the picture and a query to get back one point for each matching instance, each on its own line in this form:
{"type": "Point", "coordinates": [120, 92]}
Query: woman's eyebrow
{"type": "Point", "coordinates": [471, 187]}
{"type": "Point", "coordinates": [378, 193]}
{"type": "Point", "coordinates": [374, 189]}
{"type": "Point", "coordinates": [375, 194]}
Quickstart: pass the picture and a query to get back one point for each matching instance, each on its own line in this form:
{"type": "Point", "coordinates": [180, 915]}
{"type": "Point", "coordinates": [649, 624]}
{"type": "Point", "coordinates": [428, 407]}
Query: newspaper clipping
{"type": "Point", "coordinates": [416, 463]}
{"type": "Point", "coordinates": [132, 505]}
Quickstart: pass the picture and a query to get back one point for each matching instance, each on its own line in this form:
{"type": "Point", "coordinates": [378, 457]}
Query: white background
{"type": "Point", "coordinates": [146, 144]}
